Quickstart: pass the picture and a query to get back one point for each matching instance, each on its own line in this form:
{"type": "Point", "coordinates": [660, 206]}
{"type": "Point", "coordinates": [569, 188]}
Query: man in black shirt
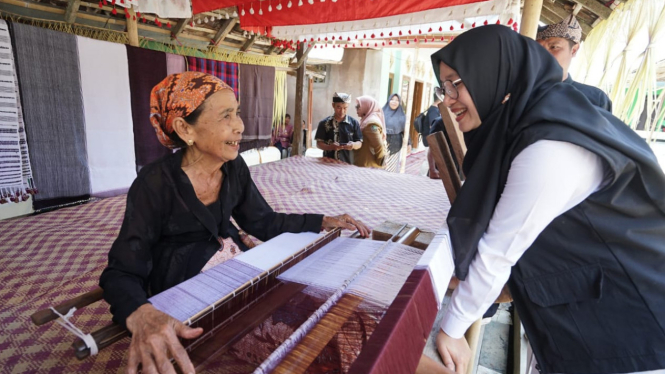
{"type": "Point", "coordinates": [562, 41]}
{"type": "Point", "coordinates": [338, 135]}
{"type": "Point", "coordinates": [432, 114]}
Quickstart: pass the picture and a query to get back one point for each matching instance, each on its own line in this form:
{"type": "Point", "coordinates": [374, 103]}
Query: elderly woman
{"type": "Point", "coordinates": [178, 213]}
{"type": "Point", "coordinates": [372, 153]}
{"type": "Point", "coordinates": [562, 201]}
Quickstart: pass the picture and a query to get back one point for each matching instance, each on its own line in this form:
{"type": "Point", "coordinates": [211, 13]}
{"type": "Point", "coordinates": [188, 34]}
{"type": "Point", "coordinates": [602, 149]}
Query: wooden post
{"type": "Point", "coordinates": [132, 28]}
{"type": "Point", "coordinates": [224, 30]}
{"type": "Point", "coordinates": [72, 10]}
{"type": "Point", "coordinates": [310, 104]}
{"type": "Point", "coordinates": [530, 18]}
{"type": "Point", "coordinates": [300, 83]}
{"type": "Point", "coordinates": [407, 125]}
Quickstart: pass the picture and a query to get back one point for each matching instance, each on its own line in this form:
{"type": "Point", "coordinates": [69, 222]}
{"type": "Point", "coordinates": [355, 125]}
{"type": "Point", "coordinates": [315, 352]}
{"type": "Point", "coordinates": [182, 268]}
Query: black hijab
{"type": "Point", "coordinates": [493, 61]}
{"type": "Point", "coordinates": [395, 119]}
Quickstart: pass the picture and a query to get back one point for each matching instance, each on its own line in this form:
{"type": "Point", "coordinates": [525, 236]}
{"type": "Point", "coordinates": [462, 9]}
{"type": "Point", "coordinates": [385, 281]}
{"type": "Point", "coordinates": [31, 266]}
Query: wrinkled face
{"type": "Point", "coordinates": [463, 108]}
{"type": "Point", "coordinates": [561, 50]}
{"type": "Point", "coordinates": [218, 130]}
{"type": "Point", "coordinates": [394, 103]}
{"type": "Point", "coordinates": [340, 110]}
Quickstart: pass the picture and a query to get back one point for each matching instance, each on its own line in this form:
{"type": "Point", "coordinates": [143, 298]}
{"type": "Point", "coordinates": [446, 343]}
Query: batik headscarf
{"type": "Point", "coordinates": [494, 61]}
{"type": "Point", "coordinates": [178, 95]}
{"type": "Point", "coordinates": [568, 28]}
{"type": "Point", "coordinates": [370, 112]}
{"type": "Point", "coordinates": [395, 119]}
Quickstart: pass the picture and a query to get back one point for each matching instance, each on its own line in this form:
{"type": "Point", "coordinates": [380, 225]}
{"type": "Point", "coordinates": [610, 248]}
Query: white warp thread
{"type": "Point", "coordinates": [87, 338]}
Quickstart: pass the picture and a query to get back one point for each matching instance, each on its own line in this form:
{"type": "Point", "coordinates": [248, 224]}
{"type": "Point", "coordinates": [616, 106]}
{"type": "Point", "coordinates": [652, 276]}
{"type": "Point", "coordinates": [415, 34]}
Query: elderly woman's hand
{"type": "Point", "coordinates": [155, 336]}
{"type": "Point", "coordinates": [345, 221]}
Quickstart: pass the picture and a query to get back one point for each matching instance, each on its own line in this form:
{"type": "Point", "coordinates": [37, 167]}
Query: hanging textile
{"type": "Point", "coordinates": [108, 116]}
{"type": "Point", "coordinates": [279, 106]}
{"type": "Point", "coordinates": [175, 64]}
{"type": "Point", "coordinates": [226, 71]}
{"type": "Point", "coordinates": [257, 92]}
{"type": "Point", "coordinates": [146, 69]}
{"type": "Point", "coordinates": [167, 9]}
{"type": "Point", "coordinates": [126, 3]}
{"type": "Point", "coordinates": [49, 79]}
{"type": "Point", "coordinates": [15, 172]}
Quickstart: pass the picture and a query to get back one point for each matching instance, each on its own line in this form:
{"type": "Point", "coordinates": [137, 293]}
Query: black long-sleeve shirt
{"type": "Point", "coordinates": [168, 235]}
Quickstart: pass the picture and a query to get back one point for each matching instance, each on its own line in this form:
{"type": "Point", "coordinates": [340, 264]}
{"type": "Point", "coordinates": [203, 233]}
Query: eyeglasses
{"type": "Point", "coordinates": [449, 88]}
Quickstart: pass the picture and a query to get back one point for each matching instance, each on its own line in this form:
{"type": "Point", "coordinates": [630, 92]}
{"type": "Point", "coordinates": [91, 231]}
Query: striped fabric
{"type": "Point", "coordinates": [226, 71]}
{"type": "Point", "coordinates": [15, 171]}
{"type": "Point", "coordinates": [48, 67]}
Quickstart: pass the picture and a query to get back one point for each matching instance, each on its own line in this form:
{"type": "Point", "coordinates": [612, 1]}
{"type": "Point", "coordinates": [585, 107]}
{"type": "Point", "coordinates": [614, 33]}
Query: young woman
{"type": "Point", "coordinates": [395, 125]}
{"type": "Point", "coordinates": [562, 201]}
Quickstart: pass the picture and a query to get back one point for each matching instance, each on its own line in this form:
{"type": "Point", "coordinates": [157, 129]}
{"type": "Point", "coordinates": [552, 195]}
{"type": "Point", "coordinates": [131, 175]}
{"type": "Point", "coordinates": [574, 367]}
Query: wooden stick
{"type": "Point", "coordinates": [455, 135]}
{"type": "Point", "coordinates": [444, 162]}
{"type": "Point", "coordinates": [104, 337]}
{"type": "Point", "coordinates": [46, 315]}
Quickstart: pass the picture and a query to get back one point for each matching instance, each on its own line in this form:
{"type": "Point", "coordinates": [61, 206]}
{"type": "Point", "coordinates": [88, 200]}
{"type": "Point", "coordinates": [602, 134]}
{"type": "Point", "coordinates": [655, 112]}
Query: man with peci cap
{"type": "Point", "coordinates": [339, 134]}
{"type": "Point", "coordinates": [562, 40]}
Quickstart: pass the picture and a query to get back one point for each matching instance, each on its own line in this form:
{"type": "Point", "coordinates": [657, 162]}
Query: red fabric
{"type": "Point", "coordinates": [309, 14]}
{"type": "Point", "coordinates": [398, 342]}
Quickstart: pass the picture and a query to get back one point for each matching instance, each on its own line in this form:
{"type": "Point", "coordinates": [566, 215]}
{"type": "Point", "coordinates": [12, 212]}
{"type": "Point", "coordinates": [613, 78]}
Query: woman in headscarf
{"type": "Point", "coordinates": [178, 214]}
{"type": "Point", "coordinates": [395, 124]}
{"type": "Point", "coordinates": [562, 201]}
{"type": "Point", "coordinates": [372, 125]}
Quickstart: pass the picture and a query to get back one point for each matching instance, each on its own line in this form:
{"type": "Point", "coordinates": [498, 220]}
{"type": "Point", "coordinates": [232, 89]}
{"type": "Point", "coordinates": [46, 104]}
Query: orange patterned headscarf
{"type": "Point", "coordinates": [178, 95]}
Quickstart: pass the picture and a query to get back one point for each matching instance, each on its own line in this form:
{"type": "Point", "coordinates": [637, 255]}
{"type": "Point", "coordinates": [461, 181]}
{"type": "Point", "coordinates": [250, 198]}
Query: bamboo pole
{"type": "Point", "coordinates": [530, 17]}
{"type": "Point", "coordinates": [300, 83]}
{"type": "Point", "coordinates": [407, 126]}
{"type": "Point", "coordinates": [132, 28]}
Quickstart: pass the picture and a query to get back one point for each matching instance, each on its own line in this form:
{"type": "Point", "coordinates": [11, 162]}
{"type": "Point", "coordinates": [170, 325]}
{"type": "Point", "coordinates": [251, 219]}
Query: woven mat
{"type": "Point", "coordinates": [414, 162]}
{"type": "Point", "coordinates": [66, 251]}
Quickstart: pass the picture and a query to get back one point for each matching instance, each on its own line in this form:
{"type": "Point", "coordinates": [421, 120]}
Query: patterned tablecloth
{"type": "Point", "coordinates": [49, 258]}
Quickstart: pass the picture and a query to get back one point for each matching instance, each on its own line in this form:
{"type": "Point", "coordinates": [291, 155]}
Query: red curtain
{"type": "Point", "coordinates": [308, 14]}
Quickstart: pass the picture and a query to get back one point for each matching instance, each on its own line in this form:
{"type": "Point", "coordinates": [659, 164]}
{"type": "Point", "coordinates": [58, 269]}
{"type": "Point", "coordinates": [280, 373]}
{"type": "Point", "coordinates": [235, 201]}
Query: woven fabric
{"type": "Point", "coordinates": [257, 97]}
{"type": "Point", "coordinates": [175, 64]}
{"type": "Point", "coordinates": [414, 162]}
{"type": "Point", "coordinates": [146, 69]}
{"type": "Point", "coordinates": [67, 251]}
{"type": "Point", "coordinates": [61, 258]}
{"type": "Point", "coordinates": [15, 170]}
{"type": "Point", "coordinates": [322, 185]}
{"type": "Point", "coordinates": [108, 116]}
{"type": "Point", "coordinates": [49, 79]}
{"type": "Point", "coordinates": [226, 71]}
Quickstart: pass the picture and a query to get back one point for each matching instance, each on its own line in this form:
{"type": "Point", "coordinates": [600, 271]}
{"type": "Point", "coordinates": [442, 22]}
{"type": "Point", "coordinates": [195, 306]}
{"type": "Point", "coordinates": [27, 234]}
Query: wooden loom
{"type": "Point", "coordinates": [259, 297]}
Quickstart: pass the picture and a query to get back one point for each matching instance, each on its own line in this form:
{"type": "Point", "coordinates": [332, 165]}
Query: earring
{"type": "Point", "coordinates": [190, 142]}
